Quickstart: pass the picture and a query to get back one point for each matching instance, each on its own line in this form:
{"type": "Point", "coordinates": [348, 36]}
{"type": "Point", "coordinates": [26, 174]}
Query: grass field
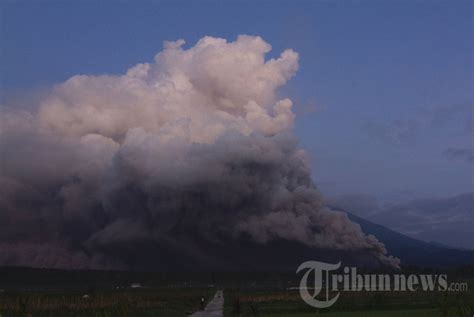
{"type": "Point", "coordinates": [265, 303]}
{"type": "Point", "coordinates": [174, 302]}
{"type": "Point", "coordinates": [244, 297]}
{"type": "Point", "coordinates": [375, 313]}
{"type": "Point", "coordinates": [141, 302]}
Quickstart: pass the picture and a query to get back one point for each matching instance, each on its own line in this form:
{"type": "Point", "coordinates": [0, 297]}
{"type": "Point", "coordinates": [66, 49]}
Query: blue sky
{"type": "Point", "coordinates": [383, 95]}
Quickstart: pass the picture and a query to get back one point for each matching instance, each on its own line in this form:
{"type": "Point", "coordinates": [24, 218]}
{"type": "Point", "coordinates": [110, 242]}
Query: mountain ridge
{"type": "Point", "coordinates": [412, 251]}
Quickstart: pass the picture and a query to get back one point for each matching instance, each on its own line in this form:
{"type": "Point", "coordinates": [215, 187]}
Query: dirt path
{"type": "Point", "coordinates": [214, 308]}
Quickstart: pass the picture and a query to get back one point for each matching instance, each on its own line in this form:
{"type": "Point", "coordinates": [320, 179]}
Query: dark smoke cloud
{"type": "Point", "coordinates": [193, 147]}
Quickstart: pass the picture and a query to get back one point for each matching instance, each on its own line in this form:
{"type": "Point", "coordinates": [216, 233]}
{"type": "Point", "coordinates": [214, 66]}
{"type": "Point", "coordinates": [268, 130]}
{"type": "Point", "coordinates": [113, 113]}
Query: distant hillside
{"type": "Point", "coordinates": [415, 252]}
{"type": "Point", "coordinates": [427, 219]}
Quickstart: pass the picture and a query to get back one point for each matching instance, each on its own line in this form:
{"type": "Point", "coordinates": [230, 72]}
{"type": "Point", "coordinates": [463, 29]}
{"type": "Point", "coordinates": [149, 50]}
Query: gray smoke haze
{"type": "Point", "coordinates": [194, 144]}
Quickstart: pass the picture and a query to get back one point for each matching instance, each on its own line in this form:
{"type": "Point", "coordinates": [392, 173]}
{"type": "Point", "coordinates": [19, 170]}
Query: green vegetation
{"type": "Point", "coordinates": [174, 302]}
{"type": "Point", "coordinates": [375, 313]}
{"type": "Point", "coordinates": [265, 303]}
{"type": "Point", "coordinates": [168, 302]}
{"type": "Point", "coordinates": [176, 295]}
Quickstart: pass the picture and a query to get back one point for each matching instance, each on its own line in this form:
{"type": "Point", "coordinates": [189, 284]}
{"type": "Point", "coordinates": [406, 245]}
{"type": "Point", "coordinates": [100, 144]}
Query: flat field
{"type": "Point", "coordinates": [33, 293]}
{"type": "Point", "coordinates": [169, 302]}
{"type": "Point", "coordinates": [268, 303]}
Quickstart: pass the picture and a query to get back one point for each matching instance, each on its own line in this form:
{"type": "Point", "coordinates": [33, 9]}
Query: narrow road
{"type": "Point", "coordinates": [214, 308]}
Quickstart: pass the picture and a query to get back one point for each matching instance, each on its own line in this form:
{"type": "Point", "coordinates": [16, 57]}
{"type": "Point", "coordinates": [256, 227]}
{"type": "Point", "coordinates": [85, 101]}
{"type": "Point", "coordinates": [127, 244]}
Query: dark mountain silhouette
{"type": "Point", "coordinates": [245, 255]}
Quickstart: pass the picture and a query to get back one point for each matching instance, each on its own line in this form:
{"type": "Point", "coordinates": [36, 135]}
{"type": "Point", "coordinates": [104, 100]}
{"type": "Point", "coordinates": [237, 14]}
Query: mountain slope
{"type": "Point", "coordinates": [412, 251]}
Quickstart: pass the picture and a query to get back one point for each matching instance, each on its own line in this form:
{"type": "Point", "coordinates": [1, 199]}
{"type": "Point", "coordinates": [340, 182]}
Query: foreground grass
{"type": "Point", "coordinates": [265, 303]}
{"type": "Point", "coordinates": [376, 313]}
{"type": "Point", "coordinates": [107, 303]}
{"type": "Point", "coordinates": [245, 302]}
